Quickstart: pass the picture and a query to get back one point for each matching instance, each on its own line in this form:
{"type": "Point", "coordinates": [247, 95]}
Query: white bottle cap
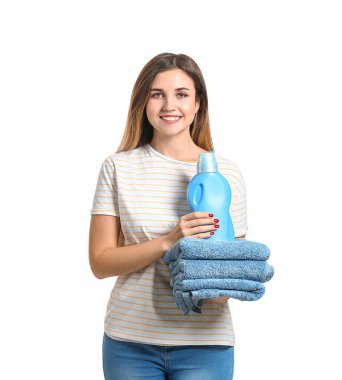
{"type": "Point", "coordinates": [206, 163]}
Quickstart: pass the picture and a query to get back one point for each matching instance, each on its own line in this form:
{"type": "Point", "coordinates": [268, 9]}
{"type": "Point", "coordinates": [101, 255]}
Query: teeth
{"type": "Point", "coordinates": [171, 118]}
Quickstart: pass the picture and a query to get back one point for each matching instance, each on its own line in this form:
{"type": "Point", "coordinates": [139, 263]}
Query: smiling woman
{"type": "Point", "coordinates": [139, 129]}
{"type": "Point", "coordinates": [172, 102]}
{"type": "Point", "coordinates": [140, 210]}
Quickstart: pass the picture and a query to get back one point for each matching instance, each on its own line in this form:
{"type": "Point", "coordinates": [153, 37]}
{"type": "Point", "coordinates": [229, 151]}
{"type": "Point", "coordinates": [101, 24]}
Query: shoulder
{"type": "Point", "coordinates": [132, 155]}
{"type": "Point", "coordinates": [225, 163]}
{"type": "Point", "coordinates": [231, 171]}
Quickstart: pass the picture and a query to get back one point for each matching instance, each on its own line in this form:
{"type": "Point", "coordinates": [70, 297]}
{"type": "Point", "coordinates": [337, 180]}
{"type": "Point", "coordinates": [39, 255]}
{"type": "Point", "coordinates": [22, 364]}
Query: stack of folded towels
{"type": "Point", "coordinates": [202, 269]}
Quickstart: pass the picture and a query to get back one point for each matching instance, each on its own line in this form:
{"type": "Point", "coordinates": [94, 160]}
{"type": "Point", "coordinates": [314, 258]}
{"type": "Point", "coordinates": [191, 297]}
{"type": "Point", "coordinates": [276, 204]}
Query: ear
{"type": "Point", "coordinates": [198, 102]}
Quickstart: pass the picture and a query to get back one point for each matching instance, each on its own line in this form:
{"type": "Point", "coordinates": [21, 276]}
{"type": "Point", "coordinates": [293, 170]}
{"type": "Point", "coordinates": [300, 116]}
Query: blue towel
{"type": "Point", "coordinates": [237, 294]}
{"type": "Point", "coordinates": [252, 270]}
{"type": "Point", "coordinates": [189, 294]}
{"type": "Point", "coordinates": [202, 269]}
{"type": "Point", "coordinates": [238, 249]}
{"type": "Point", "coordinates": [185, 303]}
{"type": "Point", "coordinates": [193, 300]}
{"type": "Point", "coordinates": [254, 288]}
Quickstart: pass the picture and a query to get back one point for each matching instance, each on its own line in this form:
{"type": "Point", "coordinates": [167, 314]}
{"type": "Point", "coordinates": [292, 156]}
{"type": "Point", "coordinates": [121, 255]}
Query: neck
{"type": "Point", "coordinates": [176, 148]}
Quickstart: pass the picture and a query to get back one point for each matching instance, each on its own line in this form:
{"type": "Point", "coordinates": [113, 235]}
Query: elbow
{"type": "Point", "coordinates": [96, 272]}
{"type": "Point", "coordinates": [100, 265]}
{"type": "Point", "coordinates": [94, 264]}
{"type": "Point", "coordinates": [99, 271]}
{"type": "Point", "coordinates": [98, 275]}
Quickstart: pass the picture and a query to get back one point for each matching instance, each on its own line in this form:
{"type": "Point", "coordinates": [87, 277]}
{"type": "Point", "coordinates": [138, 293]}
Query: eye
{"type": "Point", "coordinates": [157, 95]}
{"type": "Point", "coordinates": [182, 95]}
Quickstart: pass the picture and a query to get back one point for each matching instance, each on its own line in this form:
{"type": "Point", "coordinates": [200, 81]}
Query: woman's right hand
{"type": "Point", "coordinates": [197, 224]}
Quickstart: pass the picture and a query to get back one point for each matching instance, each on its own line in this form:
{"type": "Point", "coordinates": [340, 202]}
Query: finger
{"type": "Point", "coordinates": [200, 222]}
{"type": "Point", "coordinates": [203, 229]}
{"type": "Point", "coordinates": [197, 215]}
{"type": "Point", "coordinates": [203, 235]}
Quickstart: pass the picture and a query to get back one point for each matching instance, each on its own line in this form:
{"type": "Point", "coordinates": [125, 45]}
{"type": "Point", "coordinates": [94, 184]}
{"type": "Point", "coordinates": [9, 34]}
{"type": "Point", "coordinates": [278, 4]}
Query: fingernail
{"type": "Point", "coordinates": [211, 215]}
{"type": "Point", "coordinates": [211, 233]}
{"type": "Point", "coordinates": [217, 226]}
{"type": "Point", "coordinates": [216, 220]}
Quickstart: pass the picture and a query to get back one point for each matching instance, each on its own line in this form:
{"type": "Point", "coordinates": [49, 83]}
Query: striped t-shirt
{"type": "Point", "coordinates": [147, 190]}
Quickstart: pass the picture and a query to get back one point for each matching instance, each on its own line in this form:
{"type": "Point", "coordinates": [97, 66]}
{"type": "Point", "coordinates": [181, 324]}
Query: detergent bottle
{"type": "Point", "coordinates": [210, 191]}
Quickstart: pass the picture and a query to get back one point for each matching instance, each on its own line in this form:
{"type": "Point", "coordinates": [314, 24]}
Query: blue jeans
{"type": "Point", "coordinates": [131, 361]}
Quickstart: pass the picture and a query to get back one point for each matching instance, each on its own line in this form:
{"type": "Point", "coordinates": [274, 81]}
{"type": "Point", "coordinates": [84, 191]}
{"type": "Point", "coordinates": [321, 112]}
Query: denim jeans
{"type": "Point", "coordinates": [131, 361]}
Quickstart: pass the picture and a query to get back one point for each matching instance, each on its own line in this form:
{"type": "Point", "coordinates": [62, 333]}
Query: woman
{"type": "Point", "coordinates": [140, 211]}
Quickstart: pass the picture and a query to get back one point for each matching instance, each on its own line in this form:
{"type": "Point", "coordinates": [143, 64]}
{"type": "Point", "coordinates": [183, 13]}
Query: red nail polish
{"type": "Point", "coordinates": [216, 220]}
{"type": "Point", "coordinates": [217, 226]}
{"type": "Point", "coordinates": [211, 233]}
{"type": "Point", "coordinates": [211, 215]}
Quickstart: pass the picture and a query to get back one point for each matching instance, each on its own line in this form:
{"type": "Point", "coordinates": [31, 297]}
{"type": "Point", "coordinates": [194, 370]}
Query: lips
{"type": "Point", "coordinates": [170, 117]}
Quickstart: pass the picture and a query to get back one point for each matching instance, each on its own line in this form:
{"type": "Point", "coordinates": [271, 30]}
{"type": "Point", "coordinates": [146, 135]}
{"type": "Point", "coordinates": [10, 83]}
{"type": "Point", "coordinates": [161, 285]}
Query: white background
{"type": "Point", "coordinates": [273, 73]}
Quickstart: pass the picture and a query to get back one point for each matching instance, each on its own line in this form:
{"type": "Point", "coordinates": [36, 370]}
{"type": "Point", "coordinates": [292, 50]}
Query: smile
{"type": "Point", "coordinates": [170, 118]}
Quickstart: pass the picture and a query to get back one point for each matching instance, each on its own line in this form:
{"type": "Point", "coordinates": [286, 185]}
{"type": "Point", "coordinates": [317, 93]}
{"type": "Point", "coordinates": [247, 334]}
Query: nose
{"type": "Point", "coordinates": [168, 104]}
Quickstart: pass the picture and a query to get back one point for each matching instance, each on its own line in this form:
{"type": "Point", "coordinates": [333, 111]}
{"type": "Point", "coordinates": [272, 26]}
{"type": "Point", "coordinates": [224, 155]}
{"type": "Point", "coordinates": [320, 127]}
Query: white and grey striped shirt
{"type": "Point", "coordinates": [147, 191]}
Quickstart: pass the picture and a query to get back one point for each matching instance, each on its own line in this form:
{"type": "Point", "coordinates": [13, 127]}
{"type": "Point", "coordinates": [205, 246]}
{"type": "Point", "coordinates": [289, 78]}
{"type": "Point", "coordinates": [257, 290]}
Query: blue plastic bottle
{"type": "Point", "coordinates": [210, 191]}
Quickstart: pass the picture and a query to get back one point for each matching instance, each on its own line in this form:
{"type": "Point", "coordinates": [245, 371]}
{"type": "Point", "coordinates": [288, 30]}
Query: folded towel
{"type": "Point", "coordinates": [238, 249]}
{"type": "Point", "coordinates": [189, 294]}
{"type": "Point", "coordinates": [252, 270]}
{"type": "Point", "coordinates": [193, 300]}
{"type": "Point", "coordinates": [237, 294]}
{"type": "Point", "coordinates": [229, 284]}
{"type": "Point", "coordinates": [190, 304]}
{"type": "Point", "coordinates": [185, 303]}
{"type": "Point", "coordinates": [202, 269]}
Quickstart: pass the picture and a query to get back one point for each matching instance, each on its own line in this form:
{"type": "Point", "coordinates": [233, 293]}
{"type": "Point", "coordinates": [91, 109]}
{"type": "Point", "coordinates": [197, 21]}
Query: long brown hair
{"type": "Point", "coordinates": [139, 131]}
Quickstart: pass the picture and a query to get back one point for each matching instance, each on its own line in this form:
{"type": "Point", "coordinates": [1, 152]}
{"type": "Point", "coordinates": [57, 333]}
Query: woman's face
{"type": "Point", "coordinates": [172, 104]}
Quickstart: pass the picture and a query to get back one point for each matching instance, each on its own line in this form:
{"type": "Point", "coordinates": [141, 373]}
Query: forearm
{"type": "Point", "coordinates": [123, 260]}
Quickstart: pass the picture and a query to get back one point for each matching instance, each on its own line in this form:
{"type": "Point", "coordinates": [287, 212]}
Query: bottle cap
{"type": "Point", "coordinates": [206, 163]}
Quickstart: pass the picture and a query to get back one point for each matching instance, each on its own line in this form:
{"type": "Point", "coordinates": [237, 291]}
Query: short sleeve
{"type": "Point", "coordinates": [105, 200]}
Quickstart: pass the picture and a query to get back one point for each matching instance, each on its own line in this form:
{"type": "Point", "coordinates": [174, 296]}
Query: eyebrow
{"type": "Point", "coordinates": [177, 89]}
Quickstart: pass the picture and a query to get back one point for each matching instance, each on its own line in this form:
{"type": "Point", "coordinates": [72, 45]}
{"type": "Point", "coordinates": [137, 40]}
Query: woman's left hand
{"type": "Point", "coordinates": [217, 300]}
